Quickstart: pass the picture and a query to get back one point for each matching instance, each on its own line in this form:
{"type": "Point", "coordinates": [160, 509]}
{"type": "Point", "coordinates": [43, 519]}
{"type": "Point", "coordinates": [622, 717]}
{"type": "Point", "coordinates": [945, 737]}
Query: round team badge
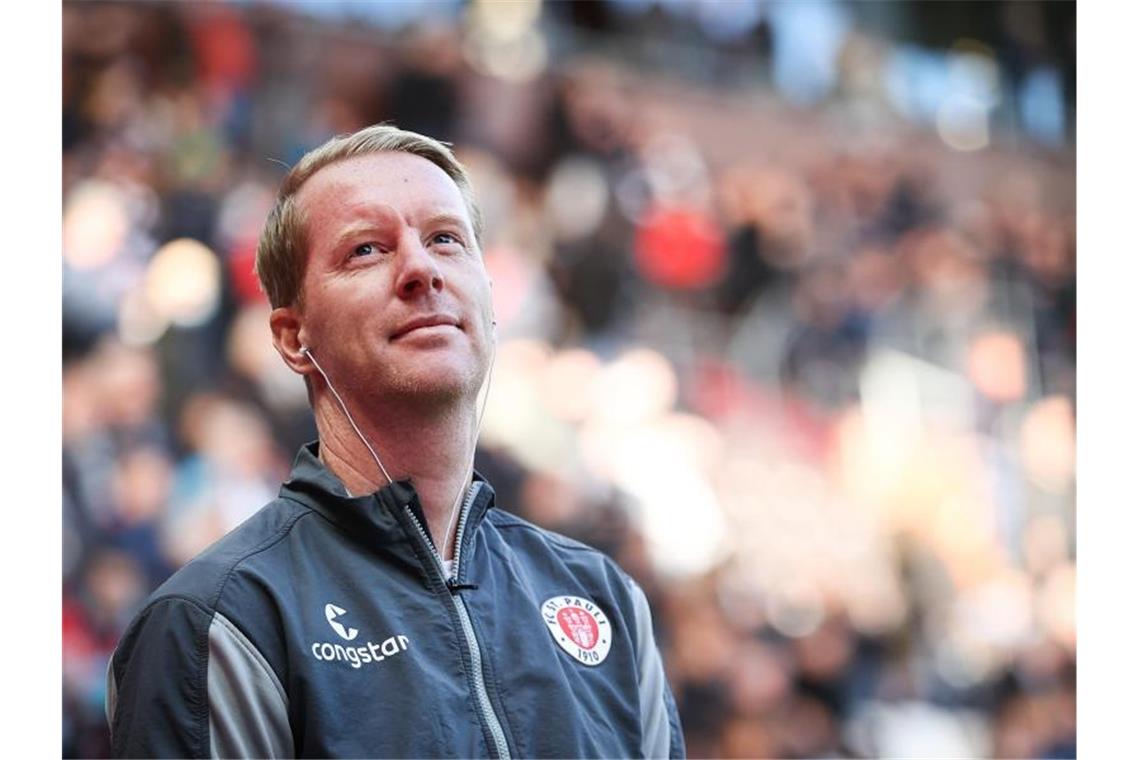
{"type": "Point", "coordinates": [580, 627]}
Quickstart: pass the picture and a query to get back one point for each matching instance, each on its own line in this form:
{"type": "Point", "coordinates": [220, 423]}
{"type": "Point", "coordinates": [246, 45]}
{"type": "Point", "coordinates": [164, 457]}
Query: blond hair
{"type": "Point", "coordinates": [281, 252]}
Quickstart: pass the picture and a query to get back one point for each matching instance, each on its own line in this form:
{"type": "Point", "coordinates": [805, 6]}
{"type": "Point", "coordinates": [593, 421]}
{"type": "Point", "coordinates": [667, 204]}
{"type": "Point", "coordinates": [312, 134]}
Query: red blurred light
{"type": "Point", "coordinates": [679, 248]}
{"type": "Point", "coordinates": [243, 277]}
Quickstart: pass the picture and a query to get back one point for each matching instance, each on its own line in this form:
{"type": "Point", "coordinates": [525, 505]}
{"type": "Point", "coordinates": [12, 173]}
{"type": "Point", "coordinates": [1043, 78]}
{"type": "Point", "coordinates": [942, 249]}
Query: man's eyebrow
{"type": "Point", "coordinates": [445, 217]}
{"type": "Point", "coordinates": [356, 230]}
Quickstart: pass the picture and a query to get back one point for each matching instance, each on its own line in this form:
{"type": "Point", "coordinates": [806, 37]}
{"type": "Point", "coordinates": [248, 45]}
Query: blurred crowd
{"type": "Point", "coordinates": [807, 372]}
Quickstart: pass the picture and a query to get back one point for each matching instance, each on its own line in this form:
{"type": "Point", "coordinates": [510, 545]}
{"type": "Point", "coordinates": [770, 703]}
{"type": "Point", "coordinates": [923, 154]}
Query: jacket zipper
{"type": "Point", "coordinates": [465, 620]}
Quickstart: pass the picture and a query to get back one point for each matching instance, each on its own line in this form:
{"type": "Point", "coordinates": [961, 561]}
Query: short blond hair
{"type": "Point", "coordinates": [281, 252]}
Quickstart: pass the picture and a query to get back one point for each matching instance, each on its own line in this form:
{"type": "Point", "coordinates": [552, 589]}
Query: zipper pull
{"type": "Point", "coordinates": [455, 586]}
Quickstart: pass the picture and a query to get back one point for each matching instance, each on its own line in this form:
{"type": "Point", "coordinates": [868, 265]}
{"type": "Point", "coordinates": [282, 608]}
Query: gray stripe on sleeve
{"type": "Point", "coordinates": [112, 697]}
{"type": "Point", "coordinates": [249, 711]}
{"type": "Point", "coordinates": [651, 682]}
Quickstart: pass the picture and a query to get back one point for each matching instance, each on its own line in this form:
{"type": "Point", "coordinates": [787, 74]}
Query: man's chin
{"type": "Point", "coordinates": [428, 385]}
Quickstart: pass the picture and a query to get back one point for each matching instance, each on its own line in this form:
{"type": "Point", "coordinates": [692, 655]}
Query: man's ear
{"type": "Point", "coordinates": [285, 324]}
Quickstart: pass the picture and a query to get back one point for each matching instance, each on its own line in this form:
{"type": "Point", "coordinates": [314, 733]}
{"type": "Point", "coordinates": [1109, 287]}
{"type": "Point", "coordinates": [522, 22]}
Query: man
{"type": "Point", "coordinates": [377, 615]}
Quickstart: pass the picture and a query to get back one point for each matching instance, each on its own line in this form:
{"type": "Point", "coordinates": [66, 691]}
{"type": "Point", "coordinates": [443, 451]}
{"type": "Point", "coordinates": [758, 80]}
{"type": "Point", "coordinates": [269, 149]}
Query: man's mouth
{"type": "Point", "coordinates": [426, 322]}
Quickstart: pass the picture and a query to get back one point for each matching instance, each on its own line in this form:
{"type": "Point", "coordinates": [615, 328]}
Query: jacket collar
{"type": "Point", "coordinates": [375, 517]}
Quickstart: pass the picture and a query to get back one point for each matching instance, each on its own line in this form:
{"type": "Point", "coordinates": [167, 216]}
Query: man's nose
{"type": "Point", "coordinates": [419, 270]}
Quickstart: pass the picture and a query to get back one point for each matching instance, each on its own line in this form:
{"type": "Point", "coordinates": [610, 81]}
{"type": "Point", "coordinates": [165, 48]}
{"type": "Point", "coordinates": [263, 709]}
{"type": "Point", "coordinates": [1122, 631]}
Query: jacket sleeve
{"type": "Point", "coordinates": [660, 724]}
{"type": "Point", "coordinates": [185, 682]}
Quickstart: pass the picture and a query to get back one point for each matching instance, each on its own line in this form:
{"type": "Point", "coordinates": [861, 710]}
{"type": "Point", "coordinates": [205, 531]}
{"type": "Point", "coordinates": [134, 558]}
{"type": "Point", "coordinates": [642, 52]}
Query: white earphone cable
{"type": "Point", "coordinates": [308, 352]}
{"type": "Point", "coordinates": [447, 539]}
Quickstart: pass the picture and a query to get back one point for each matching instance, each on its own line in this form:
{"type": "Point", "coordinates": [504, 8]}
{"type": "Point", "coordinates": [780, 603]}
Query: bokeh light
{"type": "Point", "coordinates": [95, 224]}
{"type": "Point", "coordinates": [140, 323]}
{"type": "Point", "coordinates": [635, 388]}
{"type": "Point", "coordinates": [502, 40]}
{"type": "Point", "coordinates": [183, 282]}
{"type": "Point", "coordinates": [576, 198]}
{"type": "Point", "coordinates": [1048, 443]}
{"type": "Point", "coordinates": [679, 248]}
{"type": "Point", "coordinates": [997, 366]}
{"type": "Point", "coordinates": [963, 123]}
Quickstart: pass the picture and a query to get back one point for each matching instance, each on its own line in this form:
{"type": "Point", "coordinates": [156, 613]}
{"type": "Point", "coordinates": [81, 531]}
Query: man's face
{"type": "Point", "coordinates": [396, 300]}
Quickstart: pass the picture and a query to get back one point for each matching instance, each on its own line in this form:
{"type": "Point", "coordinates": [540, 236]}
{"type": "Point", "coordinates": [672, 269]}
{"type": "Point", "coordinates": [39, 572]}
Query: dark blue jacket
{"type": "Point", "coordinates": [324, 626]}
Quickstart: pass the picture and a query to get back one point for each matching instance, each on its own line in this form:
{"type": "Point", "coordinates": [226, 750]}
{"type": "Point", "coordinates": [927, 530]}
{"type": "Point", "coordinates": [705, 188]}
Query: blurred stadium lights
{"type": "Point", "coordinates": [506, 40]}
{"type": "Point", "coordinates": [1042, 107]}
{"type": "Point", "coordinates": [963, 123]}
{"type": "Point", "coordinates": [576, 199]}
{"type": "Point", "coordinates": [390, 14]}
{"type": "Point", "coordinates": [139, 323]}
{"type": "Point", "coordinates": [901, 395]}
{"type": "Point", "coordinates": [997, 613]}
{"type": "Point", "coordinates": [729, 22]}
{"type": "Point", "coordinates": [916, 729]}
{"type": "Point", "coordinates": [569, 374]}
{"type": "Point", "coordinates": [680, 515]}
{"type": "Point", "coordinates": [1048, 443]}
{"type": "Point", "coordinates": [183, 282]}
{"type": "Point", "coordinates": [637, 387]}
{"type": "Point", "coordinates": [974, 72]}
{"type": "Point", "coordinates": [501, 39]}
{"type": "Point", "coordinates": [807, 37]}
{"type": "Point", "coordinates": [95, 224]}
{"type": "Point", "coordinates": [795, 610]}
{"type": "Point", "coordinates": [681, 248]}
{"type": "Point", "coordinates": [1057, 604]}
{"type": "Point", "coordinates": [504, 21]}
{"type": "Point", "coordinates": [997, 365]}
{"type": "Point", "coordinates": [956, 90]}
{"type": "Point", "coordinates": [629, 436]}
{"type": "Point", "coordinates": [515, 418]}
{"type": "Point", "coordinates": [676, 171]}
{"type": "Point", "coordinates": [1044, 542]}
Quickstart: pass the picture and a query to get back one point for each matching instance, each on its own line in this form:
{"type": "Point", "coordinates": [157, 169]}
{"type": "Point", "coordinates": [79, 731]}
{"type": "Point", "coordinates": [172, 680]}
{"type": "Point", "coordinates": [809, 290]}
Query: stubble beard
{"type": "Point", "coordinates": [422, 390]}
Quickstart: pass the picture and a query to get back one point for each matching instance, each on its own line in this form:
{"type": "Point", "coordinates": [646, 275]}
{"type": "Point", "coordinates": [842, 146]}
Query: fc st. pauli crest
{"type": "Point", "coordinates": [580, 628]}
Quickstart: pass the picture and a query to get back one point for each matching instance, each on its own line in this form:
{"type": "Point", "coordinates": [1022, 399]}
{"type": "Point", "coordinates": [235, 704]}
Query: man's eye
{"type": "Point", "coordinates": [446, 238]}
{"type": "Point", "coordinates": [364, 249]}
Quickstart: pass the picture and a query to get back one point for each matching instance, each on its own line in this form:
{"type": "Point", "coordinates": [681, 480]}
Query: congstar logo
{"type": "Point", "coordinates": [332, 612]}
{"type": "Point", "coordinates": [355, 656]}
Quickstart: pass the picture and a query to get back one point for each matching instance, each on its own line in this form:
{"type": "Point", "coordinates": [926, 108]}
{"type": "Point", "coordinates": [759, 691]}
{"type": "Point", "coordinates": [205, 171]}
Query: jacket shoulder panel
{"type": "Point", "coordinates": [507, 520]}
{"type": "Point", "coordinates": [204, 577]}
{"type": "Point", "coordinates": [572, 554]}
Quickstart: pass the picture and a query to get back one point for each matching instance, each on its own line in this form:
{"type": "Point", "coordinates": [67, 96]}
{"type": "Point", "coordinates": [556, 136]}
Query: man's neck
{"type": "Point", "coordinates": [431, 448]}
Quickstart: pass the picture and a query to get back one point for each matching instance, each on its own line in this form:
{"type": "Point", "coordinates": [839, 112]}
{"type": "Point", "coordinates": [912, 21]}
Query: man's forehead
{"type": "Point", "coordinates": [395, 178]}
